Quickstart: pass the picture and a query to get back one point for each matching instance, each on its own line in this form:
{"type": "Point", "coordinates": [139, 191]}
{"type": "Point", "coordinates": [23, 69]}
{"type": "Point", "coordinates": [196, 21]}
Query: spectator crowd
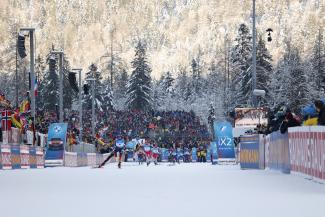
{"type": "Point", "coordinates": [165, 128]}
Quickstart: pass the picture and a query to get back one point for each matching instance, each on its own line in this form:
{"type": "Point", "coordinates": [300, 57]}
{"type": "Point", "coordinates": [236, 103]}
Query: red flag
{"type": "Point", "coordinates": [6, 120]}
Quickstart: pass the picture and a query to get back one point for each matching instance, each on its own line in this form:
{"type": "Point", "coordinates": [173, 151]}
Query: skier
{"type": "Point", "coordinates": [155, 154]}
{"type": "Point", "coordinates": [173, 155]}
{"type": "Point", "coordinates": [140, 153]}
{"type": "Point", "coordinates": [147, 150]}
{"type": "Point", "coordinates": [186, 155]}
{"type": "Point", "coordinates": [118, 149]}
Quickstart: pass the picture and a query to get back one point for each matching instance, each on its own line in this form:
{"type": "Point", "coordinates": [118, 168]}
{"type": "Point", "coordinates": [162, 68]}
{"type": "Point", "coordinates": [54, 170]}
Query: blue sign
{"type": "Point", "coordinates": [208, 154]}
{"type": "Point", "coordinates": [15, 157]}
{"type": "Point", "coordinates": [194, 154]}
{"type": "Point", "coordinates": [224, 139]}
{"type": "Point", "coordinates": [32, 153]}
{"type": "Point", "coordinates": [249, 152]}
{"type": "Point", "coordinates": [56, 141]}
{"type": "Point", "coordinates": [164, 154]}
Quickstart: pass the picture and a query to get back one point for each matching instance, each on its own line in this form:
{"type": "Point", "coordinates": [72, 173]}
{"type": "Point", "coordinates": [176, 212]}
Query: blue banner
{"type": "Point", "coordinates": [56, 141]}
{"type": "Point", "coordinates": [224, 139]}
{"type": "Point", "coordinates": [194, 154]}
{"type": "Point", "coordinates": [32, 153]}
{"type": "Point", "coordinates": [164, 154]}
{"type": "Point", "coordinates": [15, 157]}
{"type": "Point", "coordinates": [208, 154]}
{"type": "Point", "coordinates": [249, 152]}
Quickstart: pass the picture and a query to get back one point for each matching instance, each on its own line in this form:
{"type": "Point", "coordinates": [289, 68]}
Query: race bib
{"type": "Point", "coordinates": [120, 144]}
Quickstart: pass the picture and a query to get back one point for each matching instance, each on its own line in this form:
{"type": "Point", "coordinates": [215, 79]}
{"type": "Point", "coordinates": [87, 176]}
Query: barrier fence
{"type": "Point", "coordinates": [73, 159]}
{"type": "Point", "coordinates": [15, 137]}
{"type": "Point", "coordinates": [301, 150]}
{"type": "Point", "coordinates": [277, 152]}
{"type": "Point", "coordinates": [307, 150]}
{"type": "Point", "coordinates": [21, 157]}
{"type": "Point", "coordinates": [252, 152]}
{"type": "Point", "coordinates": [83, 148]}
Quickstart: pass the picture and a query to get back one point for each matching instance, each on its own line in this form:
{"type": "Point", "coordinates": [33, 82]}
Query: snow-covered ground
{"type": "Point", "coordinates": [158, 191]}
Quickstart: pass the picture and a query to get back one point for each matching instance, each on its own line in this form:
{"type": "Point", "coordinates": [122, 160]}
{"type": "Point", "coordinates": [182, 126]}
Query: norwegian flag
{"type": "Point", "coordinates": [6, 120]}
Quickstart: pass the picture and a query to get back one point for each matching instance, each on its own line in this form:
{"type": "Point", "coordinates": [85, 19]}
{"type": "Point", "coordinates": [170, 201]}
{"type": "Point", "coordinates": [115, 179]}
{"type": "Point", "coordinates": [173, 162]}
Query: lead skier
{"type": "Point", "coordinates": [119, 148]}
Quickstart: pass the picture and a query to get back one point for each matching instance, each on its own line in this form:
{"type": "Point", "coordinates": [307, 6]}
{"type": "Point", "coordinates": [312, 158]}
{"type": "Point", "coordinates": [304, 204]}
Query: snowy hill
{"type": "Point", "coordinates": [175, 30]}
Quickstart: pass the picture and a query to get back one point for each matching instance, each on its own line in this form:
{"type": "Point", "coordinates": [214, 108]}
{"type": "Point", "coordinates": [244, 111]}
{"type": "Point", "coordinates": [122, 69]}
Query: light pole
{"type": "Point", "coordinates": [60, 53]}
{"type": "Point", "coordinates": [93, 70]}
{"type": "Point", "coordinates": [80, 109]}
{"type": "Point", "coordinates": [32, 71]}
{"type": "Point", "coordinates": [92, 80]}
{"type": "Point", "coordinates": [17, 103]}
{"type": "Point", "coordinates": [93, 108]}
{"type": "Point", "coordinates": [254, 57]}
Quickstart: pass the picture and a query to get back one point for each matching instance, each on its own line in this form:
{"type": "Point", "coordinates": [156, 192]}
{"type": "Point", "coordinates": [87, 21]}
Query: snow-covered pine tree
{"type": "Point", "coordinates": [280, 82]}
{"type": "Point", "coordinates": [264, 69]}
{"type": "Point", "coordinates": [211, 118]}
{"type": "Point", "coordinates": [69, 95]}
{"type": "Point", "coordinates": [8, 62]}
{"type": "Point", "coordinates": [182, 83]}
{"type": "Point", "coordinates": [106, 96]}
{"type": "Point", "coordinates": [298, 91]}
{"type": "Point", "coordinates": [100, 90]}
{"type": "Point", "coordinates": [40, 72]}
{"type": "Point", "coordinates": [318, 62]}
{"type": "Point", "coordinates": [181, 88]}
{"type": "Point", "coordinates": [215, 90]}
{"type": "Point", "coordinates": [215, 81]}
{"type": "Point", "coordinates": [157, 95]}
{"type": "Point", "coordinates": [120, 89]}
{"type": "Point", "coordinates": [165, 91]}
{"type": "Point", "coordinates": [139, 87]}
{"type": "Point", "coordinates": [240, 68]}
{"type": "Point", "coordinates": [167, 81]}
{"type": "Point", "coordinates": [49, 88]}
{"type": "Point", "coordinates": [196, 79]}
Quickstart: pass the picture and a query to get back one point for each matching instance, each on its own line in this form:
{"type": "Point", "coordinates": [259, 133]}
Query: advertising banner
{"type": "Point", "coordinates": [194, 154]}
{"type": "Point", "coordinates": [208, 154]}
{"type": "Point", "coordinates": [164, 154]}
{"type": "Point", "coordinates": [32, 157]}
{"type": "Point", "coordinates": [15, 157]}
{"type": "Point", "coordinates": [278, 152]}
{"type": "Point", "coordinates": [56, 140]}
{"type": "Point", "coordinates": [307, 150]}
{"type": "Point", "coordinates": [224, 139]}
{"type": "Point", "coordinates": [249, 152]}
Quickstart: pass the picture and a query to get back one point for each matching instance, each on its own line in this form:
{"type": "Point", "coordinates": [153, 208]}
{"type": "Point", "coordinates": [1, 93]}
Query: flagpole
{"type": "Point", "coordinates": [32, 74]}
{"type": "Point", "coordinates": [80, 109]}
{"type": "Point", "coordinates": [254, 56]}
{"type": "Point", "coordinates": [17, 104]}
